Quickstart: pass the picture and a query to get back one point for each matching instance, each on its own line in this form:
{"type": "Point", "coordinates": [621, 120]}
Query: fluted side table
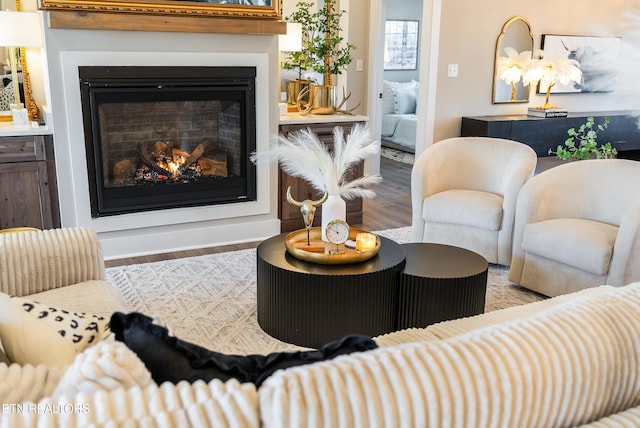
{"type": "Point", "coordinates": [439, 283]}
{"type": "Point", "coordinates": [310, 304]}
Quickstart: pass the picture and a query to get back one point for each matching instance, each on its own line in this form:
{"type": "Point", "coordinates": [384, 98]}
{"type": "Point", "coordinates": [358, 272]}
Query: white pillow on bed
{"type": "Point", "coordinates": [404, 101]}
{"type": "Point", "coordinates": [387, 93]}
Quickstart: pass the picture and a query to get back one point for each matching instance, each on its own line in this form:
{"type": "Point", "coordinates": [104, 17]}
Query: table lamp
{"type": "Point", "coordinates": [547, 70]}
{"type": "Point", "coordinates": [19, 30]}
{"type": "Point", "coordinates": [512, 67]}
{"type": "Point", "coordinates": [290, 42]}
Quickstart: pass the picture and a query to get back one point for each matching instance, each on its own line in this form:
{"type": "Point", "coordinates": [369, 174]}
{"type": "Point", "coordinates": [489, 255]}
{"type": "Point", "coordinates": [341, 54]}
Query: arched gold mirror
{"type": "Point", "coordinates": [14, 82]}
{"type": "Point", "coordinates": [513, 47]}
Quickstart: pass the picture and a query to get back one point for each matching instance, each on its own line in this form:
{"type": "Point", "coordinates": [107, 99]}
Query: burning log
{"type": "Point", "coordinates": [216, 166]}
{"type": "Point", "coordinates": [161, 161]}
{"type": "Point", "coordinates": [148, 158]}
{"type": "Point", "coordinates": [124, 171]}
{"type": "Point", "coordinates": [195, 155]}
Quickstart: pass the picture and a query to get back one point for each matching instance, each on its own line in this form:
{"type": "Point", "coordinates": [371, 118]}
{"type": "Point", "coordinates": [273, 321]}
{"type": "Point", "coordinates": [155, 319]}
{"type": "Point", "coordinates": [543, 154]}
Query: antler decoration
{"type": "Point", "coordinates": [302, 108]}
{"type": "Point", "coordinates": [305, 109]}
{"type": "Point", "coordinates": [345, 97]}
{"type": "Point", "coordinates": [307, 208]}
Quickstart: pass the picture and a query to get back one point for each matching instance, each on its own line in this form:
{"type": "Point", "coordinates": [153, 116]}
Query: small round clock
{"type": "Point", "coordinates": [337, 231]}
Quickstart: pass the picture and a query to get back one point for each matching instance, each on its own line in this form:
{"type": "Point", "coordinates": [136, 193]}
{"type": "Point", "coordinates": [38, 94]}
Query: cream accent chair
{"type": "Point", "coordinates": [464, 191]}
{"type": "Point", "coordinates": [577, 226]}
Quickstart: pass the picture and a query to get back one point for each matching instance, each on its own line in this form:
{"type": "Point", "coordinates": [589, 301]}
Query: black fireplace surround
{"type": "Point", "coordinates": [167, 137]}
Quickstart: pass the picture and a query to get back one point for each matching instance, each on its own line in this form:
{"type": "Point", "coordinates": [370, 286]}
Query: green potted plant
{"type": "Point", "coordinates": [582, 143]}
{"type": "Point", "coordinates": [324, 51]}
{"type": "Point", "coordinates": [331, 54]}
{"type": "Point", "coordinates": [300, 60]}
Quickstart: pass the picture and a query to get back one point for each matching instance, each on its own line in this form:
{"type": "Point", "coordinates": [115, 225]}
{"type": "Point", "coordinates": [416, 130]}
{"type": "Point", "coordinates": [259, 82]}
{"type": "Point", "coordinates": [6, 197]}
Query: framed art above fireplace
{"type": "Point", "coordinates": [260, 9]}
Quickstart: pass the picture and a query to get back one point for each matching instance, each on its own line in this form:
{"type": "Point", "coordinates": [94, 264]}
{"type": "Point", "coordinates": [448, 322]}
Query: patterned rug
{"type": "Point", "coordinates": [211, 300]}
{"type": "Point", "coordinates": [397, 155]}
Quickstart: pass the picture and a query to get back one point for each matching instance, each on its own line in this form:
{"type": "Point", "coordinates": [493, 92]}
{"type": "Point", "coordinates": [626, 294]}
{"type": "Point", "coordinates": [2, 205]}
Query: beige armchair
{"type": "Point", "coordinates": [464, 190]}
{"type": "Point", "coordinates": [577, 226]}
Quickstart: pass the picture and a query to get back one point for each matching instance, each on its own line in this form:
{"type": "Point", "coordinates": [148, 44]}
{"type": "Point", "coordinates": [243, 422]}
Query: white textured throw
{"type": "Point", "coordinates": [569, 365]}
{"type": "Point", "coordinates": [104, 367]}
{"type": "Point", "coordinates": [27, 383]}
{"type": "Point", "coordinates": [215, 404]}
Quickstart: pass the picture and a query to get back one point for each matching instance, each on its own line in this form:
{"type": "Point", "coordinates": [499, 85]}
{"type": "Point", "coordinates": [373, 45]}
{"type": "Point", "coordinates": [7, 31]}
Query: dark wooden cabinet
{"type": "Point", "coordinates": [28, 193]}
{"type": "Point", "coordinates": [290, 217]}
{"type": "Point", "coordinates": [544, 134]}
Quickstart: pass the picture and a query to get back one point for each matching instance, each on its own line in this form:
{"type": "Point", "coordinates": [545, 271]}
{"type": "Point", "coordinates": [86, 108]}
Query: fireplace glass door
{"type": "Point", "coordinates": [168, 137]}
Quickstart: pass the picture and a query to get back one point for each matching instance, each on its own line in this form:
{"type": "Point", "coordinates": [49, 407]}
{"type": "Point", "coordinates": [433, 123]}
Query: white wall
{"type": "Point", "coordinates": [469, 30]}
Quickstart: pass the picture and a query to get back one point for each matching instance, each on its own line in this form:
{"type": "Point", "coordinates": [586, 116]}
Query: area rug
{"type": "Point", "coordinates": [211, 300]}
{"type": "Point", "coordinates": [397, 155]}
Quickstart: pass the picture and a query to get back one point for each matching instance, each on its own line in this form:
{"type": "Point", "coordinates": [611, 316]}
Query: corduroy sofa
{"type": "Point", "coordinates": [573, 360]}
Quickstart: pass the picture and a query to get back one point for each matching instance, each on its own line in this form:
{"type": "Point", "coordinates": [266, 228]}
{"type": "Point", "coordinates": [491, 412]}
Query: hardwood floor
{"type": "Point", "coordinates": [390, 208]}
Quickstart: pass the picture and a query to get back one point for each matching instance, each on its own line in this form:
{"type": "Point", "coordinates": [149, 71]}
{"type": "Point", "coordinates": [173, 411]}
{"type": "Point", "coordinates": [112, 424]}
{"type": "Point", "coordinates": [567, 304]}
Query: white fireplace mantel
{"type": "Point", "coordinates": [174, 229]}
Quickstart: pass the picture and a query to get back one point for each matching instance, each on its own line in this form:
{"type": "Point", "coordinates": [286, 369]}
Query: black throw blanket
{"type": "Point", "coordinates": [171, 359]}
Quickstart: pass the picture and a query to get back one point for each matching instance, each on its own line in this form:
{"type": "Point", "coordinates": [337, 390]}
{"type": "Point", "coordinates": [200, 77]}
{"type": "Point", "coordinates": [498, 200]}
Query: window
{"type": "Point", "coordinates": [400, 45]}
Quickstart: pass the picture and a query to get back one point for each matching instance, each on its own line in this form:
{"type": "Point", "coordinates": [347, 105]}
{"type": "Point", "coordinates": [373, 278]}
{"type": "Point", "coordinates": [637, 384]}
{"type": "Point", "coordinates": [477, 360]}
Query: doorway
{"type": "Point", "coordinates": [427, 63]}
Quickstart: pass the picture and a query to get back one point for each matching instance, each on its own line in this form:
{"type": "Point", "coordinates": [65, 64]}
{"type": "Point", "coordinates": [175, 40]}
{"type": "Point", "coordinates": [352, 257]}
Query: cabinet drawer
{"type": "Point", "coordinates": [22, 149]}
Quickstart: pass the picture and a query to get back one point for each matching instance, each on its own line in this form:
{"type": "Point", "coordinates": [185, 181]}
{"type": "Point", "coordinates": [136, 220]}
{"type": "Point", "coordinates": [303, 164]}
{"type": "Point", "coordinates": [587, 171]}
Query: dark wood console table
{"type": "Point", "coordinates": [321, 125]}
{"type": "Point", "coordinates": [544, 134]}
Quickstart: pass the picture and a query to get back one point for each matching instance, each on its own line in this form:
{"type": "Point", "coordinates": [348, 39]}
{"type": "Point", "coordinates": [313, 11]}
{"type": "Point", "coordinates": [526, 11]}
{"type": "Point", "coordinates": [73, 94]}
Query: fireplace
{"type": "Point", "coordinates": [161, 137]}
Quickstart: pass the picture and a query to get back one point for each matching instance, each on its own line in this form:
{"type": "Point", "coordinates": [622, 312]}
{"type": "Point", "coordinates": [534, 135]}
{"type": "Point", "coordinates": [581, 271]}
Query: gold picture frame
{"type": "Point", "coordinates": [259, 9]}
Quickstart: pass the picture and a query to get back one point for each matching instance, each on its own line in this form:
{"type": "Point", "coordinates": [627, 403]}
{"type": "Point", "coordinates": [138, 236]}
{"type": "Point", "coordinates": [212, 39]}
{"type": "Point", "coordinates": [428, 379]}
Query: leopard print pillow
{"type": "Point", "coordinates": [35, 333]}
{"type": "Point", "coordinates": [81, 329]}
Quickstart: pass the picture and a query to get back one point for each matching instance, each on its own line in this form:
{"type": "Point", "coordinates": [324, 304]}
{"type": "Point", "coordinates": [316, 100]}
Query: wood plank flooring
{"type": "Point", "coordinates": [390, 208]}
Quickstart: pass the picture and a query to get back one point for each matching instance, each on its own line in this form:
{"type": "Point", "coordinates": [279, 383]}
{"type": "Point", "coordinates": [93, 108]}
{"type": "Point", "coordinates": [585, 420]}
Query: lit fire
{"type": "Point", "coordinates": [174, 164]}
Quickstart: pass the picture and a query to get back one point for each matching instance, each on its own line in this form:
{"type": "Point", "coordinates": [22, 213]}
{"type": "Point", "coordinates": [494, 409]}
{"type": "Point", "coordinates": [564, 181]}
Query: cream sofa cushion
{"type": "Point", "coordinates": [466, 207]}
{"type": "Point", "coordinates": [445, 329]}
{"type": "Point", "coordinates": [572, 364]}
{"type": "Point", "coordinates": [630, 418]}
{"type": "Point", "coordinates": [584, 244]}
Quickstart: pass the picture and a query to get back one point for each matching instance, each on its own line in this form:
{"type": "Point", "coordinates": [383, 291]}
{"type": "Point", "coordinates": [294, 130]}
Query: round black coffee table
{"type": "Point", "coordinates": [439, 283]}
{"type": "Point", "coordinates": [310, 304]}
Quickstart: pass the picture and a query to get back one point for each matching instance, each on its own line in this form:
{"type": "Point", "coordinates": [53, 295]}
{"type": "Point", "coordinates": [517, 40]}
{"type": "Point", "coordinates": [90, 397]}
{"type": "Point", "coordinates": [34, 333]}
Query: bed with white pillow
{"type": "Point", "coordinates": [399, 115]}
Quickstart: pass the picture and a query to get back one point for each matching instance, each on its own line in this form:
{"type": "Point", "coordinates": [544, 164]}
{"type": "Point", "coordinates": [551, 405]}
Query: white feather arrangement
{"type": "Point", "coordinates": [303, 155]}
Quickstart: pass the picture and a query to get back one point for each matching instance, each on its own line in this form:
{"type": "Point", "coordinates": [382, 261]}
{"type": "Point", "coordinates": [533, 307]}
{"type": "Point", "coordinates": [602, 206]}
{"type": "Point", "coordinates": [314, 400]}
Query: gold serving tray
{"type": "Point", "coordinates": [321, 252]}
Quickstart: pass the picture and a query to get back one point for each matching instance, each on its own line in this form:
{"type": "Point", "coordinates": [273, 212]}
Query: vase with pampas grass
{"type": "Point", "coordinates": [302, 154]}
